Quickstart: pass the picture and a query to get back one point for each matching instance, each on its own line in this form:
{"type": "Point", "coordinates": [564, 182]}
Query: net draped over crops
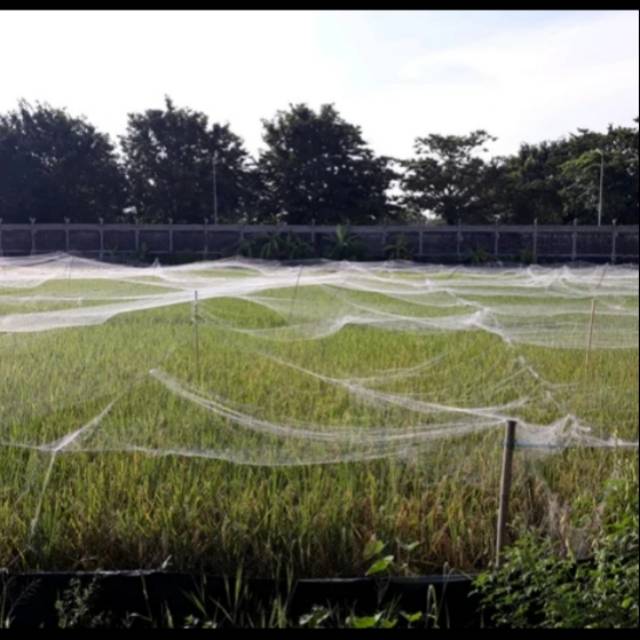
{"type": "Point", "coordinates": [261, 364]}
{"type": "Point", "coordinates": [165, 322]}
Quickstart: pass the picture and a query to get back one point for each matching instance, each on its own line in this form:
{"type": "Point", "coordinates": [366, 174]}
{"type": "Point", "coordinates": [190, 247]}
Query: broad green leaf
{"type": "Point", "coordinates": [380, 565]}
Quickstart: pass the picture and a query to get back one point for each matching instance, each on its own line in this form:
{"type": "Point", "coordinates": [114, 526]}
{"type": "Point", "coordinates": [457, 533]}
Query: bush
{"type": "Point", "coordinates": [537, 587]}
{"type": "Point", "coordinates": [346, 245]}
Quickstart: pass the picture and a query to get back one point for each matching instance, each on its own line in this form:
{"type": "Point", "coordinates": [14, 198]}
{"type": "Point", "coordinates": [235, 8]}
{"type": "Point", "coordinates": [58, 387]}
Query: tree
{"type": "Point", "coordinates": [447, 179]}
{"type": "Point", "coordinates": [169, 156]}
{"type": "Point", "coordinates": [53, 166]}
{"type": "Point", "coordinates": [532, 183]}
{"type": "Point", "coordinates": [318, 167]}
{"type": "Point", "coordinates": [617, 150]}
{"type": "Point", "coordinates": [559, 181]}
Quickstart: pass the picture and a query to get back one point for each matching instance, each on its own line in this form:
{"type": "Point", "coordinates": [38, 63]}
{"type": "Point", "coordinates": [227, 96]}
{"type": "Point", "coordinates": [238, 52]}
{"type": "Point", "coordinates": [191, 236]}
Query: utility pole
{"type": "Point", "coordinates": [215, 188]}
{"type": "Point", "coordinates": [601, 183]}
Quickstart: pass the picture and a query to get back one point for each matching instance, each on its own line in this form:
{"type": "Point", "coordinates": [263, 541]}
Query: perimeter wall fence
{"type": "Point", "coordinates": [426, 243]}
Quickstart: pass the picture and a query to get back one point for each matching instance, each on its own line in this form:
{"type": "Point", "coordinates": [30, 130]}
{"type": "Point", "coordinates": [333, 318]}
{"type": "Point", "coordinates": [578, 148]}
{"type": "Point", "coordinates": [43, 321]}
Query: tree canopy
{"type": "Point", "coordinates": [54, 166]}
{"type": "Point", "coordinates": [447, 179]}
{"type": "Point", "coordinates": [315, 166]}
{"type": "Point", "coordinates": [169, 157]}
{"type": "Point", "coordinates": [318, 167]}
{"type": "Point", "coordinates": [616, 152]}
{"type": "Point", "coordinates": [553, 181]}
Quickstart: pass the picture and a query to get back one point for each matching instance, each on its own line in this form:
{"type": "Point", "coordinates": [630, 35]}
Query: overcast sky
{"type": "Point", "coordinates": [522, 75]}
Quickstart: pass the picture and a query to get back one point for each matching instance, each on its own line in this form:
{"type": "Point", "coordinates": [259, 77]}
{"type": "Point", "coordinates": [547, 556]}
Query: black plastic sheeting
{"type": "Point", "coordinates": [29, 598]}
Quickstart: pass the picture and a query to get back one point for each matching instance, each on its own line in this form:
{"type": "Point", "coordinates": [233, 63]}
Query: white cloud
{"type": "Point", "coordinates": [520, 86]}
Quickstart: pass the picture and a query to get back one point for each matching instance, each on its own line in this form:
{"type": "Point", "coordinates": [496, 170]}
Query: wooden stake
{"type": "Point", "coordinates": [505, 486]}
{"type": "Point", "coordinates": [195, 333]}
{"type": "Point", "coordinates": [593, 315]}
{"type": "Point", "coordinates": [295, 293]}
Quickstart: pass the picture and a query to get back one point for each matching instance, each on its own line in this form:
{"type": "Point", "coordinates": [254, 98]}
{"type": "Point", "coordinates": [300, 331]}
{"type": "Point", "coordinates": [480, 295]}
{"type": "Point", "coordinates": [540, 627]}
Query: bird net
{"type": "Point", "coordinates": [259, 363]}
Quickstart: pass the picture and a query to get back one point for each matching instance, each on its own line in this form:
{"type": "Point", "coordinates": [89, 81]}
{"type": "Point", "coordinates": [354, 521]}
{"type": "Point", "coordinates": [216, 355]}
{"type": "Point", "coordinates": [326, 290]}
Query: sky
{"type": "Point", "coordinates": [524, 76]}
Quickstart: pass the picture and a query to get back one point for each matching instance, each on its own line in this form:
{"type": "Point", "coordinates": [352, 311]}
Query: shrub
{"type": "Point", "coordinates": [537, 587]}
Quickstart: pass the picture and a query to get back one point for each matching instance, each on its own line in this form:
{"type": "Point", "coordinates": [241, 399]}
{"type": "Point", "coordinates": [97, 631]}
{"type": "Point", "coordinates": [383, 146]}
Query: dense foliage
{"type": "Point", "coordinates": [536, 586]}
{"type": "Point", "coordinates": [315, 166]}
{"type": "Point", "coordinates": [448, 179]}
{"type": "Point", "coordinates": [318, 167]}
{"type": "Point", "coordinates": [168, 158]}
{"type": "Point", "coordinates": [54, 166]}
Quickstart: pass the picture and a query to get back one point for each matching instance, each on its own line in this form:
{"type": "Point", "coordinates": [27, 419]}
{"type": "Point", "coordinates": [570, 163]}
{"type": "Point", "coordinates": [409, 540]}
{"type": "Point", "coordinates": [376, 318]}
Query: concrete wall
{"type": "Point", "coordinates": [537, 243]}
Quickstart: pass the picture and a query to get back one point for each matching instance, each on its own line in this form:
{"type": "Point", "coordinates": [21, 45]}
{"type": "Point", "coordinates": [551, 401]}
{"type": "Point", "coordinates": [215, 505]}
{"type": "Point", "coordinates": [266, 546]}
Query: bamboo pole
{"type": "Point", "coordinates": [590, 339]}
{"type": "Point", "coordinates": [505, 486]}
{"type": "Point", "coordinates": [195, 333]}
{"type": "Point", "coordinates": [295, 293]}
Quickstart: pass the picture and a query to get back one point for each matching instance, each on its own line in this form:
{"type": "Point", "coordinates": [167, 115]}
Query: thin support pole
{"type": "Point", "coordinates": [590, 340]}
{"type": "Point", "coordinates": [505, 486]}
{"type": "Point", "coordinates": [33, 235]}
{"type": "Point", "coordinates": [195, 333]}
{"type": "Point", "coordinates": [215, 188]}
{"type": "Point", "coordinates": [295, 293]}
{"type": "Point", "coordinates": [601, 184]}
{"type": "Point", "coordinates": [614, 236]}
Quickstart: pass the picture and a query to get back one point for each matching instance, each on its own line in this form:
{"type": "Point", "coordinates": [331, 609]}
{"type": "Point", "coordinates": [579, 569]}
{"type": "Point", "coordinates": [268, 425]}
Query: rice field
{"type": "Point", "coordinates": [241, 413]}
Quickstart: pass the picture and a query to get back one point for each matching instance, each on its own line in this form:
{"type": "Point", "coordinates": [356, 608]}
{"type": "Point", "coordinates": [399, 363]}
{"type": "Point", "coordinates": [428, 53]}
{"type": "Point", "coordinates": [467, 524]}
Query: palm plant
{"type": "Point", "coordinates": [398, 249]}
{"type": "Point", "coordinates": [273, 247]}
{"type": "Point", "coordinates": [346, 245]}
{"type": "Point", "coordinates": [296, 248]}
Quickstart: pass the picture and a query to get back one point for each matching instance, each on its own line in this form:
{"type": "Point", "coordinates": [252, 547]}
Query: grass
{"type": "Point", "coordinates": [101, 504]}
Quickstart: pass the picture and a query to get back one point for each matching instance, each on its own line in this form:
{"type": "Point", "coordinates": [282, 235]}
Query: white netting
{"type": "Point", "coordinates": [155, 380]}
{"type": "Point", "coordinates": [322, 363]}
{"type": "Point", "coordinates": [535, 305]}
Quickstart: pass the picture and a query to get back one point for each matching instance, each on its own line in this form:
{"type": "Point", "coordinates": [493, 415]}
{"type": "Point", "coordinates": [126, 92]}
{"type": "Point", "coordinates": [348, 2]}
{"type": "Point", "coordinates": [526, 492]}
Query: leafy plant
{"type": "Point", "coordinates": [246, 248]}
{"type": "Point", "coordinates": [7, 607]}
{"type": "Point", "coordinates": [296, 248]}
{"type": "Point", "coordinates": [291, 247]}
{"type": "Point", "coordinates": [537, 587]}
{"type": "Point", "coordinates": [276, 247]}
{"type": "Point", "coordinates": [398, 249]}
{"type": "Point", "coordinates": [193, 622]}
{"type": "Point", "coordinates": [480, 256]}
{"type": "Point", "coordinates": [377, 621]}
{"type": "Point", "coordinates": [315, 618]}
{"type": "Point", "coordinates": [74, 607]}
{"type": "Point", "coordinates": [273, 247]}
{"type": "Point", "coordinates": [346, 245]}
{"type": "Point", "coordinates": [526, 256]}
{"type": "Point", "coordinates": [373, 553]}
